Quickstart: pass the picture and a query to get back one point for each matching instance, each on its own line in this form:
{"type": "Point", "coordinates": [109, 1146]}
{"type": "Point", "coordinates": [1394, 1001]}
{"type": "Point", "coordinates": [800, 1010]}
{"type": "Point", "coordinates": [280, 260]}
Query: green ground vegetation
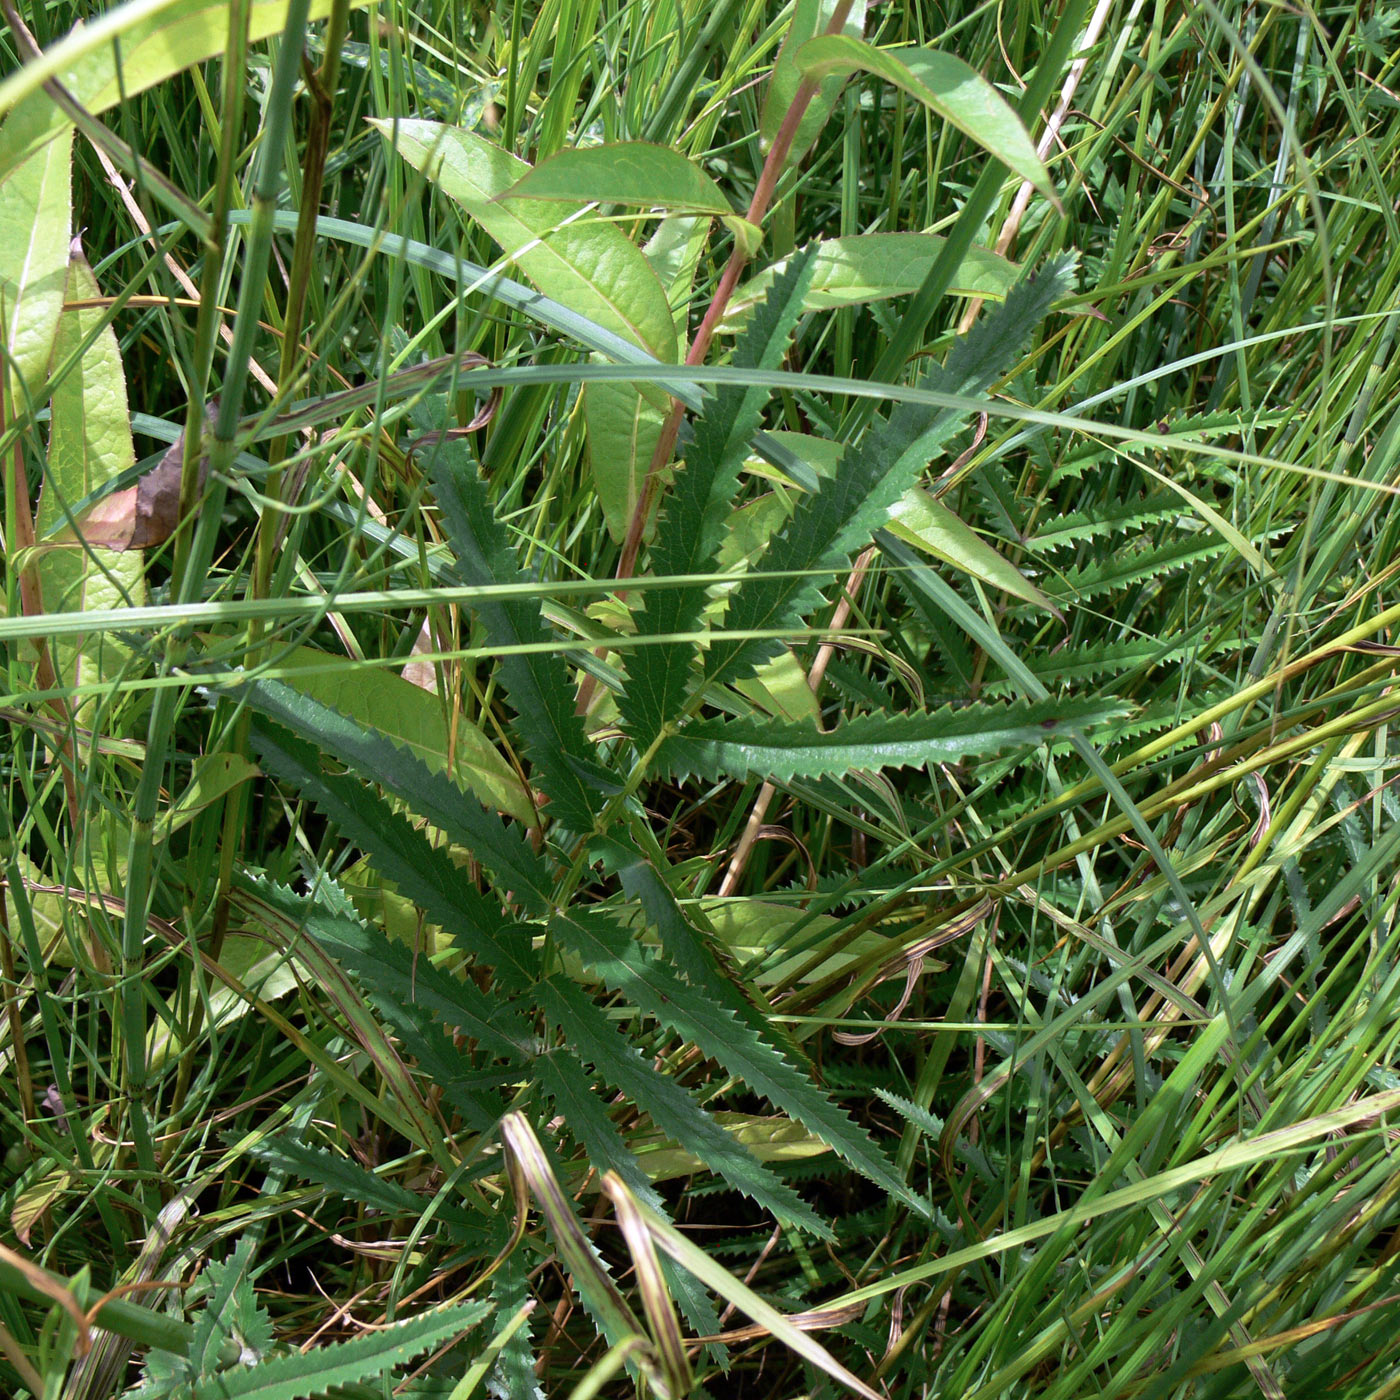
{"type": "Point", "coordinates": [699, 699]}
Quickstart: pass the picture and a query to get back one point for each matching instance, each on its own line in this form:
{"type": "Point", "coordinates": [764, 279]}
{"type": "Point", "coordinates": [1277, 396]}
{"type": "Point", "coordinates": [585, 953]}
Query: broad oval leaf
{"type": "Point", "coordinates": [592, 268]}
{"type": "Point", "coordinates": [875, 267]}
{"type": "Point", "coordinates": [89, 445]}
{"type": "Point", "coordinates": [809, 19]}
{"type": "Point", "coordinates": [623, 172]}
{"type": "Point", "coordinates": [944, 84]}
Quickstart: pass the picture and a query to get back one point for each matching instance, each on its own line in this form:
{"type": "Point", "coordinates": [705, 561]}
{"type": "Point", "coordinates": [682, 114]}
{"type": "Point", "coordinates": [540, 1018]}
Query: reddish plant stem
{"type": "Point", "coordinates": [773, 168]}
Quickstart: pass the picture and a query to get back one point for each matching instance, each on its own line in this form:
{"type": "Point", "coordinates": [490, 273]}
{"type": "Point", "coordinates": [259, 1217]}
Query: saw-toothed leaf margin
{"type": "Point", "coordinates": [692, 524]}
{"type": "Point", "coordinates": [743, 748]}
{"type": "Point", "coordinates": [844, 514]}
{"type": "Point", "coordinates": [537, 683]}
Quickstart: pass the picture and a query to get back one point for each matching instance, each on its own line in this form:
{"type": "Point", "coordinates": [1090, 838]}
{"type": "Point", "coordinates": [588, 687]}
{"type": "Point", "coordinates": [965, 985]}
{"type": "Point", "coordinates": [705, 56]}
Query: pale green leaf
{"type": "Point", "coordinates": [35, 212]}
{"type": "Point", "coordinates": [263, 970]}
{"type": "Point", "coordinates": [591, 267]}
{"type": "Point", "coordinates": [922, 520]}
{"type": "Point", "coordinates": [120, 52]}
{"type": "Point", "coordinates": [623, 172]}
{"type": "Point", "coordinates": [623, 430]}
{"type": "Point", "coordinates": [869, 267]}
{"type": "Point", "coordinates": [944, 84]}
{"type": "Point", "coordinates": [212, 776]}
{"type": "Point", "coordinates": [89, 445]}
{"type": "Point", "coordinates": [809, 18]}
{"type": "Point", "coordinates": [411, 717]}
{"type": "Point", "coordinates": [769, 1138]}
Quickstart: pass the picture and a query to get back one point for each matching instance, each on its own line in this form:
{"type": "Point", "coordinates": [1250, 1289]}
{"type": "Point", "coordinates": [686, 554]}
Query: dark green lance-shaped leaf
{"type": "Point", "coordinates": [561, 1076]}
{"type": "Point", "coordinates": [501, 849]}
{"type": "Point", "coordinates": [743, 748]}
{"type": "Point", "coordinates": [697, 953]}
{"type": "Point", "coordinates": [416, 720]}
{"type": "Point", "coordinates": [538, 682]}
{"type": "Point", "coordinates": [652, 987]}
{"type": "Point", "coordinates": [338, 1176]}
{"type": "Point", "coordinates": [370, 1356]}
{"type": "Point", "coordinates": [392, 973]}
{"type": "Point", "coordinates": [422, 871]}
{"type": "Point", "coordinates": [623, 172]}
{"type": "Point", "coordinates": [692, 527]}
{"type": "Point", "coordinates": [945, 85]}
{"type": "Point", "coordinates": [595, 1040]}
{"type": "Point", "coordinates": [843, 515]}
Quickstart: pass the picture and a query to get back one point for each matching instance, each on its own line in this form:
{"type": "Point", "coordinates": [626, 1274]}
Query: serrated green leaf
{"type": "Point", "coordinates": [769, 749]}
{"type": "Point", "coordinates": [872, 477]}
{"type": "Point", "coordinates": [653, 988]}
{"type": "Point", "coordinates": [695, 515]}
{"type": "Point", "coordinates": [370, 1356]}
{"type": "Point", "coordinates": [623, 172]}
{"type": "Point", "coordinates": [424, 872]}
{"type": "Point", "coordinates": [412, 717]}
{"type": "Point", "coordinates": [393, 973]}
{"type": "Point", "coordinates": [537, 683]}
{"type": "Point", "coordinates": [1127, 566]}
{"type": "Point", "coordinates": [598, 1042]}
{"type": "Point", "coordinates": [338, 1176]}
{"type": "Point", "coordinates": [561, 1076]}
{"type": "Point", "coordinates": [944, 84]}
{"type": "Point", "coordinates": [503, 850]}
{"type": "Point", "coordinates": [868, 267]}
{"type": "Point", "coordinates": [35, 213]}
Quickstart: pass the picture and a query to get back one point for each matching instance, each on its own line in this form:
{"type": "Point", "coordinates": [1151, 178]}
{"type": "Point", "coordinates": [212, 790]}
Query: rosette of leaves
{"type": "Point", "coordinates": [581, 937]}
